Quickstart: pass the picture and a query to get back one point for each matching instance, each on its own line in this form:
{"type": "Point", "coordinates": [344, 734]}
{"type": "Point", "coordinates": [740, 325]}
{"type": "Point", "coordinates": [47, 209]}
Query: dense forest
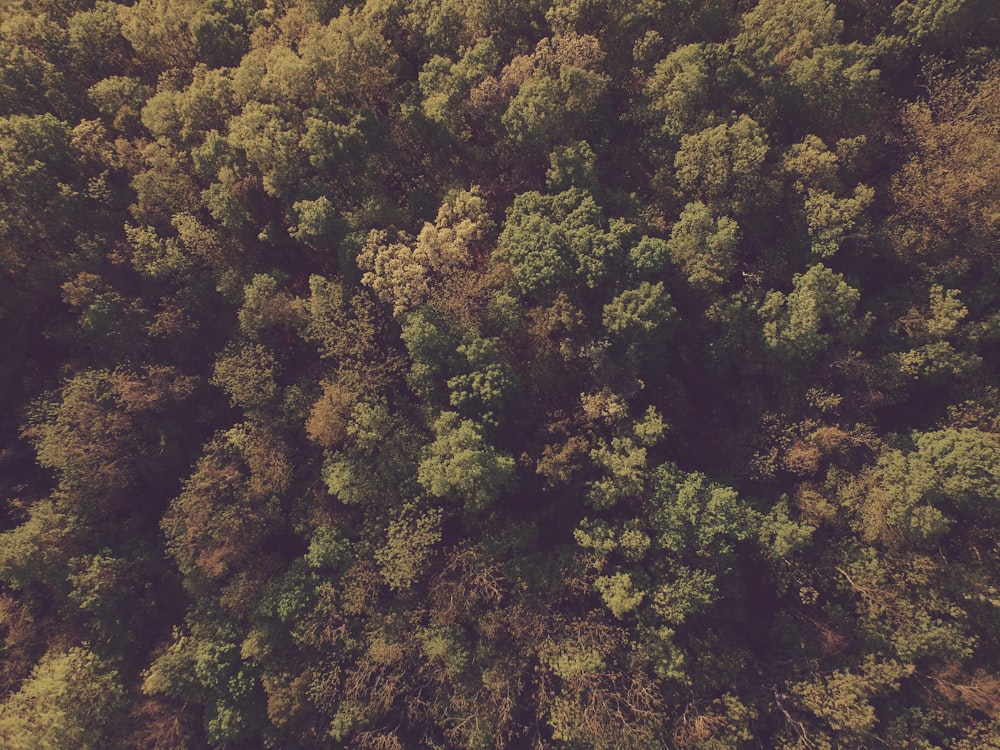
{"type": "Point", "coordinates": [584, 374]}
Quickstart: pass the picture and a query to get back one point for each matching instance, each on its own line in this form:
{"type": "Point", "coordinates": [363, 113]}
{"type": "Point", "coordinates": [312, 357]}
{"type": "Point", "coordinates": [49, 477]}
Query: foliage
{"type": "Point", "coordinates": [461, 465]}
{"type": "Point", "coordinates": [462, 374]}
{"type": "Point", "coordinates": [807, 320]}
{"type": "Point", "coordinates": [704, 246]}
{"type": "Point", "coordinates": [70, 699]}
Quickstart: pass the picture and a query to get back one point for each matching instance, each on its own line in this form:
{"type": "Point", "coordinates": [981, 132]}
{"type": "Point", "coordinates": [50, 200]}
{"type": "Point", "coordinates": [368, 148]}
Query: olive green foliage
{"type": "Point", "coordinates": [452, 374]}
{"type": "Point", "coordinates": [723, 165]}
{"type": "Point", "coordinates": [809, 319]}
{"type": "Point", "coordinates": [563, 240]}
{"type": "Point", "coordinates": [703, 246]}
{"type": "Point", "coordinates": [69, 700]}
{"type": "Point", "coordinates": [461, 465]}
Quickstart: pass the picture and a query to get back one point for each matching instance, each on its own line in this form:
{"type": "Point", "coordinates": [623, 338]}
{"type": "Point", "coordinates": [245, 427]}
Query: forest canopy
{"type": "Point", "coordinates": [583, 374]}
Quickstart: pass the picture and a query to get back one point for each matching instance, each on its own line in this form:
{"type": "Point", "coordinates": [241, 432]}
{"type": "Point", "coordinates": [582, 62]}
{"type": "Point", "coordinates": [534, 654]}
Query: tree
{"type": "Point", "coordinates": [348, 328]}
{"type": "Point", "coordinates": [353, 63]}
{"type": "Point", "coordinates": [550, 241]}
{"type": "Point", "coordinates": [451, 89]}
{"type": "Point", "coordinates": [205, 666]}
{"type": "Point", "coordinates": [964, 463]}
{"type": "Point", "coordinates": [488, 383]}
{"type": "Point", "coordinates": [160, 32]}
{"type": "Point", "coordinates": [842, 700]}
{"type": "Point", "coordinates": [221, 517]}
{"type": "Point", "coordinates": [271, 144]}
{"type": "Point", "coordinates": [640, 313]}
{"type": "Point", "coordinates": [119, 100]}
{"type": "Point", "coordinates": [460, 465]}
{"type": "Point", "coordinates": [554, 91]}
{"type": "Point", "coordinates": [898, 508]}
{"type": "Point", "coordinates": [723, 166]}
{"type": "Point", "coordinates": [704, 246]}
{"type": "Point", "coordinates": [376, 467]}
{"type": "Point", "coordinates": [407, 550]}
{"type": "Point", "coordinates": [431, 340]}
{"type": "Point", "coordinates": [941, 23]}
{"type": "Point", "coordinates": [269, 310]}
{"type": "Point", "coordinates": [185, 116]}
{"type": "Point", "coordinates": [37, 166]}
{"type": "Point", "coordinates": [623, 461]}
{"type": "Point", "coordinates": [936, 339]}
{"type": "Point", "coordinates": [639, 326]}
{"type": "Point", "coordinates": [938, 213]}
{"type": "Point", "coordinates": [220, 34]}
{"type": "Point", "coordinates": [836, 86]}
{"type": "Point", "coordinates": [37, 551]}
{"type": "Point", "coordinates": [248, 375]}
{"type": "Point", "coordinates": [831, 219]}
{"type": "Point", "coordinates": [107, 435]}
{"type": "Point", "coordinates": [818, 312]}
{"type": "Point", "coordinates": [166, 187]}
{"type": "Point", "coordinates": [779, 32]}
{"type": "Point", "coordinates": [534, 246]}
{"type": "Point", "coordinates": [315, 221]}
{"type": "Point", "coordinates": [682, 90]}
{"type": "Point", "coordinates": [572, 165]}
{"type": "Point", "coordinates": [71, 699]}
{"type": "Point", "coordinates": [414, 271]}
{"type": "Point", "coordinates": [96, 47]}
{"type": "Point", "coordinates": [30, 84]}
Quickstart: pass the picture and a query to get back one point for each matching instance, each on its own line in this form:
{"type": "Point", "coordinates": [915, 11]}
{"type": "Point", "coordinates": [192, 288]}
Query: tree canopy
{"type": "Point", "coordinates": [394, 374]}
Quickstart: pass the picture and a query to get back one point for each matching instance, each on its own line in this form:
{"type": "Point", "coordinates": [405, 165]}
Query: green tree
{"type": "Point", "coordinates": [206, 667]}
{"type": "Point", "coordinates": [936, 338]}
{"type": "Point", "coordinates": [378, 461]}
{"type": "Point", "coordinates": [30, 84]}
{"type": "Point", "coordinates": [704, 246]}
{"type": "Point", "coordinates": [271, 144]}
{"type": "Point", "coordinates": [940, 23]}
{"type": "Point", "coordinates": [71, 699]}
{"type": "Point", "coordinates": [818, 312]}
{"type": "Point", "coordinates": [554, 91]}
{"type": "Point", "coordinates": [38, 166]}
{"type": "Point", "coordinates": [352, 58]}
{"type": "Point", "coordinates": [836, 86]}
{"type": "Point", "coordinates": [831, 219]}
{"type": "Point", "coordinates": [221, 33]}
{"type": "Point", "coordinates": [572, 165]}
{"type": "Point", "coordinates": [461, 465]}
{"type": "Point", "coordinates": [248, 375]}
{"type": "Point", "coordinates": [843, 700]}
{"type": "Point", "coordinates": [408, 548]}
{"type": "Point", "coordinates": [551, 241]}
{"type": "Point", "coordinates": [160, 32]}
{"type": "Point", "coordinates": [779, 32]}
{"type": "Point", "coordinates": [488, 383]}
{"type": "Point", "coordinates": [723, 166]}
{"type": "Point", "coordinates": [119, 100]}
{"type": "Point", "coordinates": [452, 90]}
{"type": "Point", "coordinates": [37, 551]}
{"type": "Point", "coordinates": [96, 46]}
{"type": "Point", "coordinates": [639, 323]}
{"type": "Point", "coordinates": [186, 115]}
{"type": "Point", "coordinates": [165, 187]}
{"type": "Point", "coordinates": [683, 91]}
